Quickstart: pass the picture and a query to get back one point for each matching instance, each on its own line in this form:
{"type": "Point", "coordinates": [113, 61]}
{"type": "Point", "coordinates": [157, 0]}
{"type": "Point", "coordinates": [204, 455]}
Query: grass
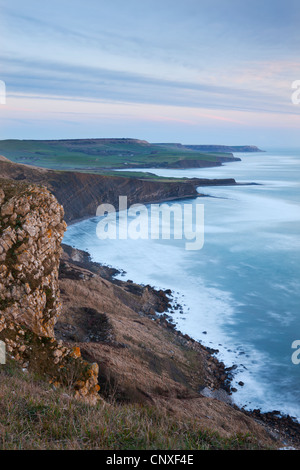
{"type": "Point", "coordinates": [34, 416]}
{"type": "Point", "coordinates": [93, 154]}
{"type": "Point", "coordinates": [134, 174]}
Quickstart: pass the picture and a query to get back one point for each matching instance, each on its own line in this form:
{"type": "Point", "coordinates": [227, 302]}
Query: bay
{"type": "Point", "coordinates": [240, 293]}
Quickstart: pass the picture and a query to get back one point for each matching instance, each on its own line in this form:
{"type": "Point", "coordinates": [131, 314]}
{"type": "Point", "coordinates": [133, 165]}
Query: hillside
{"type": "Point", "coordinates": [106, 332]}
{"type": "Point", "coordinates": [70, 327]}
{"type": "Point", "coordinates": [36, 416]}
{"type": "Point", "coordinates": [99, 155]}
{"type": "Point", "coordinates": [219, 149]}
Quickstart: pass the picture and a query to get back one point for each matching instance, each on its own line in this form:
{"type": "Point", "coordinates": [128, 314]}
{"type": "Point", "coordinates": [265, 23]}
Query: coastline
{"type": "Point", "coordinates": [278, 425]}
{"type": "Point", "coordinates": [286, 421]}
{"type": "Point", "coordinates": [179, 198]}
{"type": "Point", "coordinates": [275, 419]}
{"type": "Point", "coordinates": [231, 182]}
{"type": "Point", "coordinates": [161, 315]}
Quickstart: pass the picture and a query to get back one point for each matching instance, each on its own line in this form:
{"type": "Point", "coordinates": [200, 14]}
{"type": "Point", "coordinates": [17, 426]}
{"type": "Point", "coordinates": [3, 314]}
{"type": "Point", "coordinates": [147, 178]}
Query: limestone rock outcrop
{"type": "Point", "coordinates": [31, 231]}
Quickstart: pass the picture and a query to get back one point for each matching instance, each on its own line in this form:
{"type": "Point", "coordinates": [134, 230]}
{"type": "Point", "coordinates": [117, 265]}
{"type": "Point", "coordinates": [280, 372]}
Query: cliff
{"type": "Point", "coordinates": [224, 153]}
{"type": "Point", "coordinates": [95, 154]}
{"type": "Point", "coordinates": [72, 324]}
{"type": "Point", "coordinates": [31, 231]}
{"type": "Point", "coordinates": [81, 193]}
{"type": "Point", "coordinates": [224, 148]}
{"type": "Point", "coordinates": [143, 359]}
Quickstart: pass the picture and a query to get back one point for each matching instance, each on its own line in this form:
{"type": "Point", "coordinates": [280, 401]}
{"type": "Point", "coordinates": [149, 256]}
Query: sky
{"type": "Point", "coordinates": [189, 71]}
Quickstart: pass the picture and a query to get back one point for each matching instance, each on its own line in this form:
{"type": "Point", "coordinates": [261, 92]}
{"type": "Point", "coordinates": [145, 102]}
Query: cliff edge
{"type": "Point", "coordinates": [137, 356]}
{"type": "Point", "coordinates": [31, 231]}
{"type": "Point", "coordinates": [81, 193]}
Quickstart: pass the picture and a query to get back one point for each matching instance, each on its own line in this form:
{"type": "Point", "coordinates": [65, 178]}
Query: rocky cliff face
{"type": "Point", "coordinates": [81, 193]}
{"type": "Point", "coordinates": [31, 231]}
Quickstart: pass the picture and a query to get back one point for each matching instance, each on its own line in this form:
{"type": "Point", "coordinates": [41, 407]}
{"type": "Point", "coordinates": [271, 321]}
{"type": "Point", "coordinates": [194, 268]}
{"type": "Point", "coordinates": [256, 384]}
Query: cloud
{"type": "Point", "coordinates": [76, 82]}
{"type": "Point", "coordinates": [221, 59]}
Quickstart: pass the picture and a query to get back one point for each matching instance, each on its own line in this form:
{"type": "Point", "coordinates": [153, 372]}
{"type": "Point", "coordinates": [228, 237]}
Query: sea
{"type": "Point", "coordinates": [240, 292]}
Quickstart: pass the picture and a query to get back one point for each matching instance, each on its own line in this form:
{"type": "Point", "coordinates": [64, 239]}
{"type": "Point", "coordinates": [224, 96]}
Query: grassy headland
{"type": "Point", "coordinates": [106, 154]}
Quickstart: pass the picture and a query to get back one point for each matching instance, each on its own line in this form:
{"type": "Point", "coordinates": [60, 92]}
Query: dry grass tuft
{"type": "Point", "coordinates": [34, 416]}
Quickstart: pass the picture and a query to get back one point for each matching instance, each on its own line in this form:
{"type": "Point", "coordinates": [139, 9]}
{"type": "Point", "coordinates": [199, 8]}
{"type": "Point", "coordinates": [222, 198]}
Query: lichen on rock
{"type": "Point", "coordinates": [31, 231]}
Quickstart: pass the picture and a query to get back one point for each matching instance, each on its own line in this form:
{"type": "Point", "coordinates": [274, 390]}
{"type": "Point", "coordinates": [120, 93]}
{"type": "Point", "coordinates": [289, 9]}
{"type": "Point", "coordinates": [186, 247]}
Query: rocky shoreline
{"type": "Point", "coordinates": [280, 426]}
{"type": "Point", "coordinates": [144, 306]}
{"type": "Point", "coordinates": [158, 312]}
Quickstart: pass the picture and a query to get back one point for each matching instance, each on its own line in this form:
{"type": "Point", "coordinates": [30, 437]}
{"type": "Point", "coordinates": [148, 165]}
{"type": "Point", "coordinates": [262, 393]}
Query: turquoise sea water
{"type": "Point", "coordinates": [241, 292]}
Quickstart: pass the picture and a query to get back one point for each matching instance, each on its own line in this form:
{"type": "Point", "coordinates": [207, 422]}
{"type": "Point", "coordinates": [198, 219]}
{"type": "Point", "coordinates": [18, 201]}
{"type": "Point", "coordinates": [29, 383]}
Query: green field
{"type": "Point", "coordinates": [100, 155]}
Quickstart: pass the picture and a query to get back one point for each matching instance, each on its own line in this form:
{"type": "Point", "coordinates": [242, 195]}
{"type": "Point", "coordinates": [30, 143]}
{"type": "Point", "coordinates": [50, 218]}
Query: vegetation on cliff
{"type": "Point", "coordinates": [35, 416]}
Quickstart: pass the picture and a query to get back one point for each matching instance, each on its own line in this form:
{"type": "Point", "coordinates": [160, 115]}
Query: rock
{"type": "Point", "coordinates": [30, 250]}
{"type": "Point", "coordinates": [32, 265]}
{"type": "Point", "coordinates": [7, 208]}
{"type": "Point", "coordinates": [2, 196]}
